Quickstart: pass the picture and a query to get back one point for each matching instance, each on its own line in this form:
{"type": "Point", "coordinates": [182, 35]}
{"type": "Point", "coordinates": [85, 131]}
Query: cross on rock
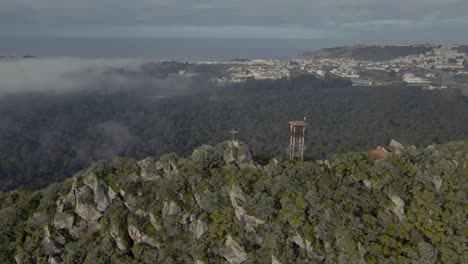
{"type": "Point", "coordinates": [233, 132]}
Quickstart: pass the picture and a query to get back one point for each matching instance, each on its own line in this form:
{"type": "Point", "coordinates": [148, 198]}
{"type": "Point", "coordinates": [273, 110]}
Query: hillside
{"type": "Point", "coordinates": [368, 52]}
{"type": "Point", "coordinates": [218, 205]}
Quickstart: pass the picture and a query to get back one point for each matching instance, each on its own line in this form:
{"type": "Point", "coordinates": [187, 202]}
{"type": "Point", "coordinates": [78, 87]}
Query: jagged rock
{"type": "Point", "coordinates": [236, 151]}
{"type": "Point", "coordinates": [84, 229]}
{"type": "Point", "coordinates": [398, 210]}
{"type": "Point", "coordinates": [48, 244]}
{"type": "Point", "coordinates": [69, 200]}
{"type": "Point", "coordinates": [170, 209]}
{"type": "Point", "coordinates": [63, 220]}
{"type": "Point", "coordinates": [149, 169]}
{"type": "Point", "coordinates": [237, 198]}
{"type": "Point", "coordinates": [302, 243]}
{"type": "Point", "coordinates": [111, 193]}
{"type": "Point", "coordinates": [185, 219]}
{"type": "Point", "coordinates": [234, 253]}
{"type": "Point", "coordinates": [85, 206]}
{"type": "Point", "coordinates": [396, 146]}
{"type": "Point", "coordinates": [306, 245]}
{"type": "Point", "coordinates": [120, 238]}
{"type": "Point", "coordinates": [274, 260]}
{"type": "Point", "coordinates": [199, 228]}
{"type": "Point", "coordinates": [18, 259]}
{"type": "Point", "coordinates": [154, 222]}
{"type": "Point", "coordinates": [100, 198]}
{"type": "Point", "coordinates": [139, 237]}
{"type": "Point", "coordinates": [170, 166]}
{"type": "Point", "coordinates": [131, 203]}
{"type": "Point", "coordinates": [59, 239]}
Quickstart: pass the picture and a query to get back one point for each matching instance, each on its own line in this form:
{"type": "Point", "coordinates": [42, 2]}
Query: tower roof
{"type": "Point", "coordinates": [301, 123]}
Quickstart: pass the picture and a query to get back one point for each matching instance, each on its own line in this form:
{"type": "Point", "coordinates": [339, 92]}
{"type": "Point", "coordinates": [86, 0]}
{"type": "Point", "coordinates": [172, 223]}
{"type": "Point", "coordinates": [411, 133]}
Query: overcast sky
{"type": "Point", "coordinates": [378, 20]}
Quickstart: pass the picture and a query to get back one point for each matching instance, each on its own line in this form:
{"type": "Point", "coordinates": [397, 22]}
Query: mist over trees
{"type": "Point", "coordinates": [47, 136]}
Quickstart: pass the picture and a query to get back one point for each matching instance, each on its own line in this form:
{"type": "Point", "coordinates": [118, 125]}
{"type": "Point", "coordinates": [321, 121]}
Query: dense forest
{"type": "Point", "coordinates": [368, 52]}
{"type": "Point", "coordinates": [46, 137]}
{"type": "Point", "coordinates": [218, 205]}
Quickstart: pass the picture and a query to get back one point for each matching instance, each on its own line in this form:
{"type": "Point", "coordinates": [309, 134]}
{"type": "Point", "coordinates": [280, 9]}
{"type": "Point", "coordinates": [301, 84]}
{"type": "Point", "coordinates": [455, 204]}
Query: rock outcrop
{"type": "Point", "coordinates": [141, 238]}
{"type": "Point", "coordinates": [237, 198]}
{"type": "Point", "coordinates": [150, 169]}
{"type": "Point", "coordinates": [234, 253]}
{"type": "Point", "coordinates": [199, 228]}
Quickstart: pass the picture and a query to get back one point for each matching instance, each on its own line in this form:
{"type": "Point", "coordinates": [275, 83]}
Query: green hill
{"type": "Point", "coordinates": [219, 205]}
{"type": "Point", "coordinates": [369, 52]}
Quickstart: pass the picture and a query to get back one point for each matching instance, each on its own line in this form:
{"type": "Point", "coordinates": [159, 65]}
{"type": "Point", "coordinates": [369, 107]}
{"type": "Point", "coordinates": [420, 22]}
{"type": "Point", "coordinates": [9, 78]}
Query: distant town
{"type": "Point", "coordinates": [440, 68]}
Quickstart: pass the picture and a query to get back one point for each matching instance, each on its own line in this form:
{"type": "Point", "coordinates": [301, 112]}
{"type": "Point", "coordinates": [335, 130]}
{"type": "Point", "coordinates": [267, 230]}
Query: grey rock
{"type": "Point", "coordinates": [398, 210]}
{"type": "Point", "coordinates": [396, 146]}
{"type": "Point", "coordinates": [237, 198]}
{"type": "Point", "coordinates": [48, 244]}
{"type": "Point", "coordinates": [234, 253]}
{"type": "Point", "coordinates": [149, 169]}
{"type": "Point", "coordinates": [302, 243]}
{"type": "Point", "coordinates": [155, 222]}
{"type": "Point", "coordinates": [274, 260]}
{"type": "Point", "coordinates": [140, 238]}
{"type": "Point", "coordinates": [85, 206]}
{"type": "Point", "coordinates": [119, 237]}
{"type": "Point", "coordinates": [111, 193]}
{"type": "Point", "coordinates": [199, 228]}
{"type": "Point", "coordinates": [236, 151]}
{"type": "Point", "coordinates": [63, 220]}
{"type": "Point", "coordinates": [131, 203]}
{"type": "Point", "coordinates": [367, 183]}
{"type": "Point", "coordinates": [52, 260]}
{"type": "Point", "coordinates": [170, 209]}
{"type": "Point", "coordinates": [100, 198]}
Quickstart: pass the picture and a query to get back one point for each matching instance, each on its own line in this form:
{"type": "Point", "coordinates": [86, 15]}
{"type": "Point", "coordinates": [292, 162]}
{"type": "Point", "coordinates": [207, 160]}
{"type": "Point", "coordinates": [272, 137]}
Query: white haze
{"type": "Point", "coordinates": [73, 74]}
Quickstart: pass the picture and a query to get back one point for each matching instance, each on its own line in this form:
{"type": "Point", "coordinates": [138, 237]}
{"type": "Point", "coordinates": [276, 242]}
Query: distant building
{"type": "Point", "coordinates": [357, 82]}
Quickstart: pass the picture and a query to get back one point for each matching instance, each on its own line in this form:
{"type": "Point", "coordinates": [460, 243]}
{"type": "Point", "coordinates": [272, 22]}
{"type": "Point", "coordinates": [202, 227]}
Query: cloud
{"type": "Point", "coordinates": [74, 74]}
{"type": "Point", "coordinates": [210, 17]}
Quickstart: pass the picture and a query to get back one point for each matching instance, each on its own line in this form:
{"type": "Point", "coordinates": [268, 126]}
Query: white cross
{"type": "Point", "coordinates": [233, 132]}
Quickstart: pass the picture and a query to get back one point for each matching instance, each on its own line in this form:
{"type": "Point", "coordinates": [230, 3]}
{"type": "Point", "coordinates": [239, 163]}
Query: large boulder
{"type": "Point", "coordinates": [85, 206]}
{"type": "Point", "coordinates": [98, 188]}
{"type": "Point", "coordinates": [234, 253]}
{"type": "Point", "coordinates": [150, 169]}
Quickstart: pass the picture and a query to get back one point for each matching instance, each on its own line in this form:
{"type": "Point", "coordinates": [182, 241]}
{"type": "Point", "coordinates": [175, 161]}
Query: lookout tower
{"type": "Point", "coordinates": [297, 132]}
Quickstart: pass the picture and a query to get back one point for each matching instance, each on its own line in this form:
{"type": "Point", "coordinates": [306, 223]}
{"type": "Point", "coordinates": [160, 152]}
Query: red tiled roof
{"type": "Point", "coordinates": [379, 153]}
{"type": "Point", "coordinates": [298, 123]}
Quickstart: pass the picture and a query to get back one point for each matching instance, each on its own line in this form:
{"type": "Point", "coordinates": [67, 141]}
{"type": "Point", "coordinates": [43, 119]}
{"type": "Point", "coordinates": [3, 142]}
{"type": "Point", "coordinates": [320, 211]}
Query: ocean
{"type": "Point", "coordinates": [181, 49]}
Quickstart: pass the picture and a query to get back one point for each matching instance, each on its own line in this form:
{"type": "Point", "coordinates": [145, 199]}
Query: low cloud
{"type": "Point", "coordinates": [116, 137]}
{"type": "Point", "coordinates": [62, 75]}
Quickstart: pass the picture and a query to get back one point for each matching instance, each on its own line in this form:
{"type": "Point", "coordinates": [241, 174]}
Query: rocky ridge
{"type": "Point", "coordinates": [219, 205]}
